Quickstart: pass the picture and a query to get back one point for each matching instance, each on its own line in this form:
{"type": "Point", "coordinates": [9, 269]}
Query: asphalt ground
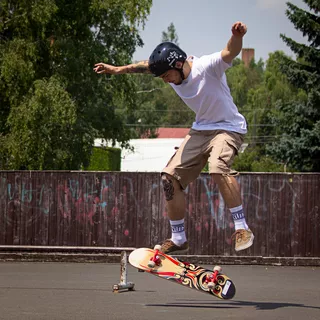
{"type": "Point", "coordinates": [35, 290]}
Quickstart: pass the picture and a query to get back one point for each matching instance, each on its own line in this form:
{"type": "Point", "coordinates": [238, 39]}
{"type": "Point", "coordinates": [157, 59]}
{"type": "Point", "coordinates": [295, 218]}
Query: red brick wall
{"type": "Point", "coordinates": [247, 55]}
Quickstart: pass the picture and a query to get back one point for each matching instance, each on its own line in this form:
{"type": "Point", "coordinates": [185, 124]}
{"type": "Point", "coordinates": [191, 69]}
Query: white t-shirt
{"type": "Point", "coordinates": [207, 93]}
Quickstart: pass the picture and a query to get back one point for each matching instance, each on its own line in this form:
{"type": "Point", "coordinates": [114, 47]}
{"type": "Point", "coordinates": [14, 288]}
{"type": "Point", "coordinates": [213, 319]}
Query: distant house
{"type": "Point", "coordinates": [151, 155]}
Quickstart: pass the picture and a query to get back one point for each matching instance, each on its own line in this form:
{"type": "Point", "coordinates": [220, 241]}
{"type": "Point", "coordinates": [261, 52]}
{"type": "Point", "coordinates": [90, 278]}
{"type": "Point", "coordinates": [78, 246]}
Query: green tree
{"type": "Point", "coordinates": [241, 79]}
{"type": "Point", "coordinates": [170, 35]}
{"type": "Point", "coordinates": [299, 145]}
{"type": "Point", "coordinates": [145, 120]}
{"type": "Point", "coordinates": [263, 100]}
{"type": "Point", "coordinates": [42, 124]}
{"type": "Point", "coordinates": [262, 105]}
{"type": "Point", "coordinates": [53, 105]}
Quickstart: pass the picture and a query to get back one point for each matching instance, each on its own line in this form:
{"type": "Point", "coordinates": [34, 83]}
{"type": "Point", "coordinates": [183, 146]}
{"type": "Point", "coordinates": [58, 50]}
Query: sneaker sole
{"type": "Point", "coordinates": [247, 245]}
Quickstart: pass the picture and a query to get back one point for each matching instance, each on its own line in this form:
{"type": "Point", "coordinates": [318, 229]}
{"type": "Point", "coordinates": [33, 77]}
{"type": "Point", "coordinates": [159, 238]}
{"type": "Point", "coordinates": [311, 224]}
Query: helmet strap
{"type": "Point", "coordinates": [181, 72]}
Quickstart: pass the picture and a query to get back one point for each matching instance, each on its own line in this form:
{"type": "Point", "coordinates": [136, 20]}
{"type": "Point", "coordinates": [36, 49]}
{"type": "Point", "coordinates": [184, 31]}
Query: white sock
{"type": "Point", "coordinates": [178, 233]}
{"type": "Point", "coordinates": [238, 218]}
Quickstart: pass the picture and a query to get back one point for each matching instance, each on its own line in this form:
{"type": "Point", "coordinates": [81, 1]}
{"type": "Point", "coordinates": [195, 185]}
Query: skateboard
{"type": "Point", "coordinates": [190, 275]}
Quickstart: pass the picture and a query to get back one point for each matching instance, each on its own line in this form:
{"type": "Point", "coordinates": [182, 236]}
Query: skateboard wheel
{"type": "Point", "coordinates": [157, 247]}
{"type": "Point", "coordinates": [217, 268]}
{"type": "Point", "coordinates": [151, 264]}
{"type": "Point", "coordinates": [211, 285]}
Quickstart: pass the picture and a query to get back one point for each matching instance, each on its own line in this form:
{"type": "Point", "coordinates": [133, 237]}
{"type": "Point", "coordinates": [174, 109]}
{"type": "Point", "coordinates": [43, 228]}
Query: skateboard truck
{"type": "Point", "coordinates": [155, 260]}
{"type": "Point", "coordinates": [211, 280]}
{"type": "Point", "coordinates": [123, 276]}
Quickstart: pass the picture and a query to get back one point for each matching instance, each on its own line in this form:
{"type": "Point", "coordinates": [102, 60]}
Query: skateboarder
{"type": "Point", "coordinates": [215, 136]}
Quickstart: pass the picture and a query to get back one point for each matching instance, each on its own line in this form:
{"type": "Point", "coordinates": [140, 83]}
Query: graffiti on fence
{"type": "Point", "coordinates": [25, 195]}
{"type": "Point", "coordinates": [82, 197]}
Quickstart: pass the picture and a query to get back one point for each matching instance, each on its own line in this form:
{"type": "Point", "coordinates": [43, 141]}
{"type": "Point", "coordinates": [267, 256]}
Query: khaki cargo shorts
{"type": "Point", "coordinates": [217, 147]}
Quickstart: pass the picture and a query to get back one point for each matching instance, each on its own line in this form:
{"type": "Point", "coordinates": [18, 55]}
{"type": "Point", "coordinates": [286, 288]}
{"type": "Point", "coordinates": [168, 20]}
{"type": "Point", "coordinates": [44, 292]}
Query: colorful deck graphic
{"type": "Point", "coordinates": [183, 273]}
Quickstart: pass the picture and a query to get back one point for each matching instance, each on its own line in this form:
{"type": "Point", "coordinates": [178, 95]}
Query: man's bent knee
{"type": "Point", "coordinates": [229, 188]}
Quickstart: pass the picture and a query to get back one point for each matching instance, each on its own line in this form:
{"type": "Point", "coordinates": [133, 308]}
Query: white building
{"type": "Point", "coordinates": [150, 155]}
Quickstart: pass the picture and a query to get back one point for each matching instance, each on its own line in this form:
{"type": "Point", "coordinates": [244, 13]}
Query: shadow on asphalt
{"type": "Point", "coordinates": [231, 305]}
{"type": "Point", "coordinates": [188, 305]}
{"type": "Point", "coordinates": [75, 289]}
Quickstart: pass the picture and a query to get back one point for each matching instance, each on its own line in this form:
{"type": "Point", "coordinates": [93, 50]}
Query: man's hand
{"type": "Point", "coordinates": [234, 45]}
{"type": "Point", "coordinates": [239, 29]}
{"type": "Point", "coordinates": [105, 68]}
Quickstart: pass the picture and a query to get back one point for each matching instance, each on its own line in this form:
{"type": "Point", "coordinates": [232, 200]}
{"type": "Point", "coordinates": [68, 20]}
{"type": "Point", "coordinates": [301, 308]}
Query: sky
{"type": "Point", "coordinates": [204, 26]}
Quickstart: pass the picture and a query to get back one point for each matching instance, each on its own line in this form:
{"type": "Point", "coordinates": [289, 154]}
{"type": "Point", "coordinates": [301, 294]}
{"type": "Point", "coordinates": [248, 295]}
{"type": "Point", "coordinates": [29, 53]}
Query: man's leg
{"type": "Point", "coordinates": [175, 197]}
{"type": "Point", "coordinates": [183, 168]}
{"type": "Point", "coordinates": [230, 191]}
{"type": "Point", "coordinates": [176, 203]}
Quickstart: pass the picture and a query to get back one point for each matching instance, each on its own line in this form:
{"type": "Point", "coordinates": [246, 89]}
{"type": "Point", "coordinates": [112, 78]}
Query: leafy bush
{"type": "Point", "coordinates": [105, 159]}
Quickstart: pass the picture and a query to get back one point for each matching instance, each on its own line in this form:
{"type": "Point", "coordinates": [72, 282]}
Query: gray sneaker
{"type": "Point", "coordinates": [244, 239]}
{"type": "Point", "coordinates": [169, 247]}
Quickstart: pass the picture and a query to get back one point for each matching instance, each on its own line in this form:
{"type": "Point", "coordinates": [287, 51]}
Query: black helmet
{"type": "Point", "coordinates": [165, 57]}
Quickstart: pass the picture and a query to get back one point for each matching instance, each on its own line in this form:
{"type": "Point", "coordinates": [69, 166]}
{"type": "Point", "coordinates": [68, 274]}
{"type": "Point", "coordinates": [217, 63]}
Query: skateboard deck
{"type": "Point", "coordinates": [190, 275]}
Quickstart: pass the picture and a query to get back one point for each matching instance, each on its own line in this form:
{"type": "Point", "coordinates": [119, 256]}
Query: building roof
{"type": "Point", "coordinates": [175, 133]}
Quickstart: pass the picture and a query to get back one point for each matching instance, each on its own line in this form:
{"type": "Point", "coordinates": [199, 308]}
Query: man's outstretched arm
{"type": "Point", "coordinates": [234, 45]}
{"type": "Point", "coordinates": [139, 67]}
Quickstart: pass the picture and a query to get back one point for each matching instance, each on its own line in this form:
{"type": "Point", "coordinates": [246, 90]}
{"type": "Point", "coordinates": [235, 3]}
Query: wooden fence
{"type": "Point", "coordinates": [121, 209]}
